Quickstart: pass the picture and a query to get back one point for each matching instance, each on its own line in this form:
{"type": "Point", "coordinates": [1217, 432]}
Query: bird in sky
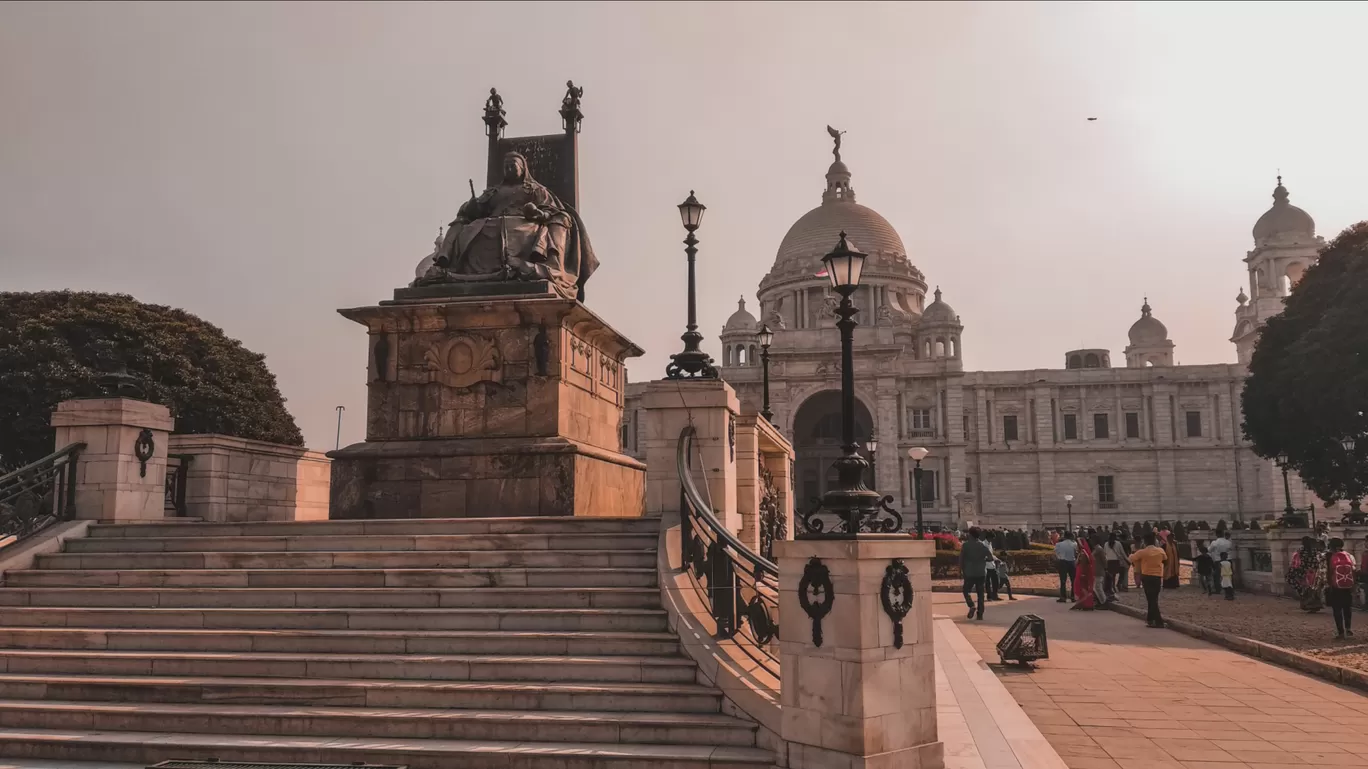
{"type": "Point", "coordinates": [1092, 118]}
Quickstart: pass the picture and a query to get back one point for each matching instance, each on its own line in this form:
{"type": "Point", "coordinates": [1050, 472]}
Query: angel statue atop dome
{"type": "Point", "coordinates": [837, 136]}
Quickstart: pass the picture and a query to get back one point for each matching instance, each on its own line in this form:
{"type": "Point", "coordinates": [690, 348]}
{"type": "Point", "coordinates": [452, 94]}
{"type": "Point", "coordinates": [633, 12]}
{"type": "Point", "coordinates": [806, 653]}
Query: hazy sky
{"type": "Point", "coordinates": [263, 165]}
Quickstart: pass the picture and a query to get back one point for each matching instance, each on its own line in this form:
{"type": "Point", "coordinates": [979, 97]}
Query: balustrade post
{"type": "Point", "coordinates": [121, 475]}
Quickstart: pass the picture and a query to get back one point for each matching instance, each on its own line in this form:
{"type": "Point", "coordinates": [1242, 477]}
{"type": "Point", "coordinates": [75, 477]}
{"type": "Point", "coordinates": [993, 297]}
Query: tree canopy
{"type": "Point", "coordinates": [1308, 378]}
{"type": "Point", "coordinates": [55, 345]}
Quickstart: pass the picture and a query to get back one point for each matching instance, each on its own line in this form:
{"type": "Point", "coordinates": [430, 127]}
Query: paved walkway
{"type": "Point", "coordinates": [1117, 695]}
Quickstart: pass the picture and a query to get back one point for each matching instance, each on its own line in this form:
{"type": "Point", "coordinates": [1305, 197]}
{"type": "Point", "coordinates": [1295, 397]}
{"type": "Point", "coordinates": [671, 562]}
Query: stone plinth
{"type": "Point", "coordinates": [235, 480]}
{"type": "Point", "coordinates": [1260, 573]}
{"type": "Point", "coordinates": [112, 484]}
{"type": "Point", "coordinates": [489, 406]}
{"type": "Point", "coordinates": [669, 405]}
{"type": "Point", "coordinates": [857, 701]}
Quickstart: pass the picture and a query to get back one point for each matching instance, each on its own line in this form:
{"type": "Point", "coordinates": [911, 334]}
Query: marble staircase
{"type": "Point", "coordinates": [516, 643]}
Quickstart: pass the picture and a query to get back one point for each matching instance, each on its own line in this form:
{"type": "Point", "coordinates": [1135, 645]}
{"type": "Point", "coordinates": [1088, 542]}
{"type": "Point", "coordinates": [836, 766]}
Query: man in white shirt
{"type": "Point", "coordinates": [1220, 545]}
{"type": "Point", "coordinates": [1066, 557]}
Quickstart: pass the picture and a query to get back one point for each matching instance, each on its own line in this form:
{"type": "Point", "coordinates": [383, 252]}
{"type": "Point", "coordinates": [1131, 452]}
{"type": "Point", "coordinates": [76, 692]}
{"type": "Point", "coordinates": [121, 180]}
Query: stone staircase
{"type": "Point", "coordinates": [515, 643]}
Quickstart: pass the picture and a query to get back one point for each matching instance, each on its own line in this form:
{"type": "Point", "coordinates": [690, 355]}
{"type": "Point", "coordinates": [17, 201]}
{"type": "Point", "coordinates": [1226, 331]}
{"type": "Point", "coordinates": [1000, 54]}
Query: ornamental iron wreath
{"type": "Point", "coordinates": [143, 449]}
{"type": "Point", "coordinates": [896, 596]}
{"type": "Point", "coordinates": [816, 582]}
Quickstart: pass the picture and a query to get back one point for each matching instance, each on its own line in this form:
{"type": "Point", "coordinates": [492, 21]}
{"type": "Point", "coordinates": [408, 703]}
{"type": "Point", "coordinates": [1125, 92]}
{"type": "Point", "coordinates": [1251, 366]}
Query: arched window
{"type": "Point", "coordinates": [751, 357]}
{"type": "Point", "coordinates": [954, 347]}
{"type": "Point", "coordinates": [940, 348]}
{"type": "Point", "coordinates": [1091, 361]}
{"type": "Point", "coordinates": [926, 349]}
{"type": "Point", "coordinates": [1294, 274]}
{"type": "Point", "coordinates": [726, 355]}
{"type": "Point", "coordinates": [1075, 362]}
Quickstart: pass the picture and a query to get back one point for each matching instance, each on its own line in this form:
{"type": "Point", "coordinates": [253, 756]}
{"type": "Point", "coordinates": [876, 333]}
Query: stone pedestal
{"type": "Point", "coordinates": [856, 701]}
{"type": "Point", "coordinates": [711, 406]}
{"type": "Point", "coordinates": [112, 484]}
{"type": "Point", "coordinates": [505, 403]}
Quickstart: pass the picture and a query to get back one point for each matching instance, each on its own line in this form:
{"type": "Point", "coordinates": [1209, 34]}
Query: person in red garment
{"type": "Point", "coordinates": [1083, 579]}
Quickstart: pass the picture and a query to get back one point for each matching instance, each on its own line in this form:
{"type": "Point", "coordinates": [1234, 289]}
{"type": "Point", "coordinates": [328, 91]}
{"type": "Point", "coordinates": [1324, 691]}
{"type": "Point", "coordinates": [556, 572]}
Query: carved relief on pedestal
{"type": "Point", "coordinates": [464, 360]}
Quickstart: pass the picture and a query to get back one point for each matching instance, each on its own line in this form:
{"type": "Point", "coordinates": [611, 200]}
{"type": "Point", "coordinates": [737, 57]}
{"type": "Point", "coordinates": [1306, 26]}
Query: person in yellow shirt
{"type": "Point", "coordinates": [1149, 564]}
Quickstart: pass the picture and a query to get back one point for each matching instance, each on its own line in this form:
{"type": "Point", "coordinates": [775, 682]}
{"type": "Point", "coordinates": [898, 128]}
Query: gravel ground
{"type": "Point", "coordinates": [1276, 621]}
{"type": "Point", "coordinates": [1051, 582]}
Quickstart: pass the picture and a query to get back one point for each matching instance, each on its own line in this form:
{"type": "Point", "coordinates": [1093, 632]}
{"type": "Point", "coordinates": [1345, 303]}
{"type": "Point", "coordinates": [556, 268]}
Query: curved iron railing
{"type": "Point", "coordinates": [740, 587]}
{"type": "Point", "coordinates": [39, 494]}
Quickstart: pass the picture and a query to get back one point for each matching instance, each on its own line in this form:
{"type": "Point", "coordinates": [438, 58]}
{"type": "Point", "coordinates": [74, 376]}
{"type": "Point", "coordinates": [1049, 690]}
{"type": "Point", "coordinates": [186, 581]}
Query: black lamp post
{"type": "Point", "coordinates": [766, 339]}
{"type": "Point", "coordinates": [1288, 511]}
{"type": "Point", "coordinates": [871, 447]}
{"type": "Point", "coordinates": [857, 506]}
{"type": "Point", "coordinates": [693, 363]}
{"type": "Point", "coordinates": [1068, 503]}
{"type": "Point", "coordinates": [1348, 444]}
{"type": "Point", "coordinates": [917, 455]}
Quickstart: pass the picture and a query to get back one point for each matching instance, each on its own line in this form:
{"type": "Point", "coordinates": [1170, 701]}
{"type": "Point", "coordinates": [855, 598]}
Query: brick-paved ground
{"type": "Point", "coordinates": [1117, 695]}
{"type": "Point", "coordinates": [1278, 621]}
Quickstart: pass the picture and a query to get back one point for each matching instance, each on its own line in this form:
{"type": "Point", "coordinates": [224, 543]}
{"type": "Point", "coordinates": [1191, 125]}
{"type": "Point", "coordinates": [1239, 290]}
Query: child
{"type": "Point", "coordinates": [1203, 564]}
{"type": "Point", "coordinates": [1003, 577]}
{"type": "Point", "coordinates": [1227, 576]}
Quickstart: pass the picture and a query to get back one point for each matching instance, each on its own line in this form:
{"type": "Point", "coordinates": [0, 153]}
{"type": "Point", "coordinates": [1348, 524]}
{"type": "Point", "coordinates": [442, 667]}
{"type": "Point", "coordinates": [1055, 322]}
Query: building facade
{"type": "Point", "coordinates": [1150, 441]}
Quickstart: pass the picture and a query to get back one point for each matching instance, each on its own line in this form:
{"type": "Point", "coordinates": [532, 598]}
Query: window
{"type": "Point", "coordinates": [1106, 491]}
{"type": "Point", "coordinates": [1009, 428]}
{"type": "Point", "coordinates": [966, 427]}
{"type": "Point", "coordinates": [968, 485]}
{"type": "Point", "coordinates": [1132, 424]}
{"type": "Point", "coordinates": [929, 488]}
{"type": "Point", "coordinates": [1070, 427]}
{"type": "Point", "coordinates": [1194, 424]}
{"type": "Point", "coordinates": [1100, 426]}
{"type": "Point", "coordinates": [920, 419]}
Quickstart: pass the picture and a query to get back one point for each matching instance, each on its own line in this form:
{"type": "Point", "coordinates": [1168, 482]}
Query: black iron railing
{"type": "Point", "coordinates": [740, 588]}
{"type": "Point", "coordinates": [39, 494]}
{"type": "Point", "coordinates": [177, 471]}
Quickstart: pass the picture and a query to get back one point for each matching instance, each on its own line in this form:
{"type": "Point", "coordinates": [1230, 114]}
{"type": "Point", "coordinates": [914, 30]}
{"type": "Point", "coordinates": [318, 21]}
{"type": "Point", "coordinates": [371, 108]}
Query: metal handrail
{"type": "Point", "coordinates": [739, 586]}
{"type": "Point", "coordinates": [40, 493]}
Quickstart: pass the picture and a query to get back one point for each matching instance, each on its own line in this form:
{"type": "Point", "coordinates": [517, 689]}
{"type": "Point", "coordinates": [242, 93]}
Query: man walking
{"type": "Point", "coordinates": [1149, 565]}
{"type": "Point", "coordinates": [1066, 561]}
{"type": "Point", "coordinates": [974, 557]}
{"type": "Point", "coordinates": [1339, 592]}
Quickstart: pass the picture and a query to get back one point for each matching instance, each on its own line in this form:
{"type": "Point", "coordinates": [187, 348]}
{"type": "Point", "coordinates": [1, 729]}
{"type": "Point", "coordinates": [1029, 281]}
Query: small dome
{"type": "Point", "coordinates": [939, 312]}
{"type": "Point", "coordinates": [427, 262]}
{"type": "Point", "coordinates": [1284, 221]}
{"type": "Point", "coordinates": [1242, 298]}
{"type": "Point", "coordinates": [741, 320]}
{"type": "Point", "coordinates": [1148, 330]}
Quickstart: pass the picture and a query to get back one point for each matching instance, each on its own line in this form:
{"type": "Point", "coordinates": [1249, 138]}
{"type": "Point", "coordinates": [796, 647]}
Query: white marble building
{"type": "Point", "coordinates": [1148, 441]}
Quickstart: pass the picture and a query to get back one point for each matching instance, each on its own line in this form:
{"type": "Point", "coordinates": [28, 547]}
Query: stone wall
{"type": "Point", "coordinates": [235, 479]}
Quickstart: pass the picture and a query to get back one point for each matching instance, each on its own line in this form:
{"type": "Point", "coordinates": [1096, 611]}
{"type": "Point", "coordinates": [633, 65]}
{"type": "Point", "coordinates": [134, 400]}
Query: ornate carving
{"type": "Point", "coordinates": [464, 360]}
{"type": "Point", "coordinates": [895, 593]}
{"type": "Point", "coordinates": [776, 321]}
{"type": "Point", "coordinates": [773, 527]}
{"type": "Point", "coordinates": [815, 595]}
{"type": "Point", "coordinates": [143, 449]}
{"type": "Point", "coordinates": [731, 435]}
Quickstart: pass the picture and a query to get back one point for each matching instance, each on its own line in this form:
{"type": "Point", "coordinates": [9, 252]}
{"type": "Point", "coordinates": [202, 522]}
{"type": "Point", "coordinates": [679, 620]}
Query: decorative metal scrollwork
{"type": "Point", "coordinates": [896, 596]}
{"type": "Point", "coordinates": [762, 625]}
{"type": "Point", "coordinates": [731, 435]}
{"type": "Point", "coordinates": [880, 519]}
{"type": "Point", "coordinates": [816, 583]}
{"type": "Point", "coordinates": [773, 527]}
{"type": "Point", "coordinates": [143, 449]}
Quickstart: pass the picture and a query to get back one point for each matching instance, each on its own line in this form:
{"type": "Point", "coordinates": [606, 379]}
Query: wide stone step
{"type": "Point", "coordinates": [400, 526]}
{"type": "Point", "coordinates": [639, 620]}
{"type": "Point", "coordinates": [379, 597]}
{"type": "Point", "coordinates": [496, 695]}
{"type": "Point", "coordinates": [343, 641]}
{"type": "Point", "coordinates": [428, 559]}
{"type": "Point", "coordinates": [308, 543]}
{"type": "Point", "coordinates": [151, 747]}
{"type": "Point", "coordinates": [431, 667]}
{"type": "Point", "coordinates": [393, 723]}
{"type": "Point", "coordinates": [490, 577]}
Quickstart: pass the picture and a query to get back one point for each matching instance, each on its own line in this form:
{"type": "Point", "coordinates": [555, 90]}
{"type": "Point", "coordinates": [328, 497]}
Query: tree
{"type": "Point", "coordinates": [54, 345]}
{"type": "Point", "coordinates": [1308, 378]}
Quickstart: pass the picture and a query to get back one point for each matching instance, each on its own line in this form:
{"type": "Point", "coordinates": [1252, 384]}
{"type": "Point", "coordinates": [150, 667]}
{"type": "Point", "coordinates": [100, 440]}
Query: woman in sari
{"type": "Point", "coordinates": [1307, 575]}
{"type": "Point", "coordinates": [1171, 562]}
{"type": "Point", "coordinates": [1084, 577]}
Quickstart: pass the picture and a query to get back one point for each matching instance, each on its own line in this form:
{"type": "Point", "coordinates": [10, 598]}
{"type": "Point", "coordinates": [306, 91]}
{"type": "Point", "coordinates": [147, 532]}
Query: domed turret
{"type": "Point", "coordinates": [1149, 342]}
{"type": "Point", "coordinates": [741, 320]}
{"type": "Point", "coordinates": [739, 343]}
{"type": "Point", "coordinates": [1284, 222]}
{"type": "Point", "coordinates": [939, 330]}
{"type": "Point", "coordinates": [939, 313]}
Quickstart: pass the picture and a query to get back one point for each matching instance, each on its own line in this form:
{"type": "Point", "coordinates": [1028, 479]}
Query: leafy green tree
{"type": "Point", "coordinates": [1308, 378]}
{"type": "Point", "coordinates": [55, 345]}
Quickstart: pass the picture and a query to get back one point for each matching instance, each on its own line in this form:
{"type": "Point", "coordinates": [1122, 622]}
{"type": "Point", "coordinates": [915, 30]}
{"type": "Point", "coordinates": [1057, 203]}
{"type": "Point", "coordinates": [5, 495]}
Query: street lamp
{"type": "Point", "coordinates": [872, 446]}
{"type": "Point", "coordinates": [693, 363]}
{"type": "Point", "coordinates": [1349, 444]}
{"type": "Point", "coordinates": [855, 504]}
{"type": "Point", "coordinates": [766, 339]}
{"type": "Point", "coordinates": [917, 455]}
{"type": "Point", "coordinates": [1068, 502]}
{"type": "Point", "coordinates": [1288, 511]}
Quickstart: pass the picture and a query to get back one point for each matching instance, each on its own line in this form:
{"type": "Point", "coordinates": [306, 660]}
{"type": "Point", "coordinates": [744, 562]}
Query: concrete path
{"type": "Point", "coordinates": [1117, 695]}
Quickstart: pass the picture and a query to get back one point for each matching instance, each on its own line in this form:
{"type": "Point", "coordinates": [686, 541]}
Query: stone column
{"type": "Point", "coordinates": [856, 700]}
{"type": "Point", "coordinates": [112, 484]}
{"type": "Point", "coordinates": [667, 406]}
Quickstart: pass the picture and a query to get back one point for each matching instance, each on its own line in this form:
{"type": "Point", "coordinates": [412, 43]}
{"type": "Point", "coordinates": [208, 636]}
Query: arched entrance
{"type": "Point", "coordinates": [817, 443]}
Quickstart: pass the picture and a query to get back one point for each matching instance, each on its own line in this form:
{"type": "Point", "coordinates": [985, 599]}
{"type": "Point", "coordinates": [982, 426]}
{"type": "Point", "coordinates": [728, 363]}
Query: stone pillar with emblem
{"type": "Point", "coordinates": [121, 472]}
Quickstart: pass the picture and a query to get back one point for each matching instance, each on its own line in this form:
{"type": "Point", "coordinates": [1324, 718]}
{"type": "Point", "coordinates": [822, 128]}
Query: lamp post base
{"type": "Point", "coordinates": [854, 508]}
